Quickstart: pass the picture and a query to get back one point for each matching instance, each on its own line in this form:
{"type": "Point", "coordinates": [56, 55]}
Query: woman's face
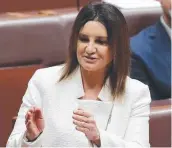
{"type": "Point", "coordinates": [93, 52]}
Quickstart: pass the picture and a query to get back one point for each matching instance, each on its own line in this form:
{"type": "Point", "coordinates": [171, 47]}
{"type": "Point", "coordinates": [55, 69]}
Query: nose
{"type": "Point", "coordinates": [90, 48]}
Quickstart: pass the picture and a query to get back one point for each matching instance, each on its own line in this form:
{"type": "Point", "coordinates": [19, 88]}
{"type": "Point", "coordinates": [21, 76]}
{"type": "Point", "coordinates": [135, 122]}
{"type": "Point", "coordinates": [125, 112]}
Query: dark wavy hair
{"type": "Point", "coordinates": [118, 41]}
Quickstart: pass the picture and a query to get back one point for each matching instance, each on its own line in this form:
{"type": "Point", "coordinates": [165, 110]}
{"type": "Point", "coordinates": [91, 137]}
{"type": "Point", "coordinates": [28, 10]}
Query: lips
{"type": "Point", "coordinates": [90, 59]}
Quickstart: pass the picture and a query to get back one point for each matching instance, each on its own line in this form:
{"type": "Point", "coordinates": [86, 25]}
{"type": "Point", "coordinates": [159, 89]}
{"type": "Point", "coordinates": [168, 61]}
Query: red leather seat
{"type": "Point", "coordinates": [160, 123]}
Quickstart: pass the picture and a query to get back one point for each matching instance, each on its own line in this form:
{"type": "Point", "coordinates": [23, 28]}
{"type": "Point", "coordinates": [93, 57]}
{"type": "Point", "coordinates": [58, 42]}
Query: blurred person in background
{"type": "Point", "coordinates": [151, 55]}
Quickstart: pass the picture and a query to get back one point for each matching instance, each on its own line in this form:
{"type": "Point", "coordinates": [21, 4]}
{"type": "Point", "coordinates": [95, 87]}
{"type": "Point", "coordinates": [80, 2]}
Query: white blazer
{"type": "Point", "coordinates": [129, 126]}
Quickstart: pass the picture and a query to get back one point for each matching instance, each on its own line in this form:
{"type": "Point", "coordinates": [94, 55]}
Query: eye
{"type": "Point", "coordinates": [101, 42]}
{"type": "Point", "coordinates": [83, 39]}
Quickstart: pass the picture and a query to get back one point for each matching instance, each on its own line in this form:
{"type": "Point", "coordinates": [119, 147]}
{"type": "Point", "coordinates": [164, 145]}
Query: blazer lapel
{"type": "Point", "coordinates": [76, 85]}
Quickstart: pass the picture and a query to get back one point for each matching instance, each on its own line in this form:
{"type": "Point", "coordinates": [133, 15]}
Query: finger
{"type": "Point", "coordinates": [28, 124]}
{"type": "Point", "coordinates": [31, 110]}
{"type": "Point", "coordinates": [31, 127]}
{"type": "Point", "coordinates": [80, 118]}
{"type": "Point", "coordinates": [83, 124]}
{"type": "Point", "coordinates": [91, 120]}
{"type": "Point", "coordinates": [30, 117]}
{"type": "Point", "coordinates": [26, 116]}
{"type": "Point", "coordinates": [81, 129]}
{"type": "Point", "coordinates": [38, 113]}
{"type": "Point", "coordinates": [82, 113]}
{"type": "Point", "coordinates": [84, 119]}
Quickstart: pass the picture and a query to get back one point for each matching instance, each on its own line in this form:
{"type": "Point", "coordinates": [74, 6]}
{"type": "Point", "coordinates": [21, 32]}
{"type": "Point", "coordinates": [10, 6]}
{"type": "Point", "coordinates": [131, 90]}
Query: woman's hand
{"type": "Point", "coordinates": [85, 123]}
{"type": "Point", "coordinates": [34, 123]}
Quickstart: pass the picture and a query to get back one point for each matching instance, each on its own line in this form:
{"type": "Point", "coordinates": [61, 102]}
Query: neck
{"type": "Point", "coordinates": [92, 80]}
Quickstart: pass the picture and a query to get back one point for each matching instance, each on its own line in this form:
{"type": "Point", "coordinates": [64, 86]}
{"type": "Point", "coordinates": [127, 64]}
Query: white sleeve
{"type": "Point", "coordinates": [137, 133]}
{"type": "Point", "coordinates": [31, 98]}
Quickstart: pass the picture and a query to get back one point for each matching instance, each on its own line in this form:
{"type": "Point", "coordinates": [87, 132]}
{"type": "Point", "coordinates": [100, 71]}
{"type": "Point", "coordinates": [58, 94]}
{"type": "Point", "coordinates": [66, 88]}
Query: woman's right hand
{"type": "Point", "coordinates": [34, 123]}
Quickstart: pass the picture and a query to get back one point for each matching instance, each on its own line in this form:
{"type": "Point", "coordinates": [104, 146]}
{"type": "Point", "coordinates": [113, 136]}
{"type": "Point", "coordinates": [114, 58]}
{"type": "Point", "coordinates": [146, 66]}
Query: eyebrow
{"type": "Point", "coordinates": [99, 37]}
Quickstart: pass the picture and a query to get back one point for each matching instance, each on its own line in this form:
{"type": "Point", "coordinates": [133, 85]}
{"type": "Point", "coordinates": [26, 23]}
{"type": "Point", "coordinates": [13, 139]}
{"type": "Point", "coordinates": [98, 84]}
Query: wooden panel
{"type": "Point", "coordinates": [13, 83]}
{"type": "Point", "coordinates": [29, 5]}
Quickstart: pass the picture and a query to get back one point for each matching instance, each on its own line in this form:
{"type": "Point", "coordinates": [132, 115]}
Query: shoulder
{"type": "Point", "coordinates": [134, 85]}
{"type": "Point", "coordinates": [137, 90]}
{"type": "Point", "coordinates": [140, 42]}
{"type": "Point", "coordinates": [137, 98]}
{"type": "Point", "coordinates": [48, 75]}
{"type": "Point", "coordinates": [150, 30]}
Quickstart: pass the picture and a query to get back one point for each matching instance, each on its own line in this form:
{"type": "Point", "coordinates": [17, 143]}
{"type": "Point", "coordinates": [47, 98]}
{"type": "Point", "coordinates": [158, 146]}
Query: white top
{"type": "Point", "coordinates": [128, 127]}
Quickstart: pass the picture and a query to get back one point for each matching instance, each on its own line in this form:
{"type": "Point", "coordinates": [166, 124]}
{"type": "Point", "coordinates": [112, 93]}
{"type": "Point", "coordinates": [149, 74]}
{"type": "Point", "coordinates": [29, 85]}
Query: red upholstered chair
{"type": "Point", "coordinates": [160, 123]}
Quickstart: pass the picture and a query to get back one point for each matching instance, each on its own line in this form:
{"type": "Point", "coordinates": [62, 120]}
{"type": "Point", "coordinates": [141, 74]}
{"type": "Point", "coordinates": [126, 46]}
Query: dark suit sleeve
{"type": "Point", "coordinates": [138, 70]}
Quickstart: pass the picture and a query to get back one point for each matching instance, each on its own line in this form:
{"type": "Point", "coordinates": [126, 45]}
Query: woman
{"type": "Point", "coordinates": [88, 101]}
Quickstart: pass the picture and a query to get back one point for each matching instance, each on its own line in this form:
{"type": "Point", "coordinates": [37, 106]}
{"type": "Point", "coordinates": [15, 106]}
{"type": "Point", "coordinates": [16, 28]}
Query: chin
{"type": "Point", "coordinates": [89, 67]}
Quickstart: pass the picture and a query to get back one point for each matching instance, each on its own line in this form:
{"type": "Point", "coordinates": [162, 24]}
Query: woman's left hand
{"type": "Point", "coordinates": [85, 123]}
